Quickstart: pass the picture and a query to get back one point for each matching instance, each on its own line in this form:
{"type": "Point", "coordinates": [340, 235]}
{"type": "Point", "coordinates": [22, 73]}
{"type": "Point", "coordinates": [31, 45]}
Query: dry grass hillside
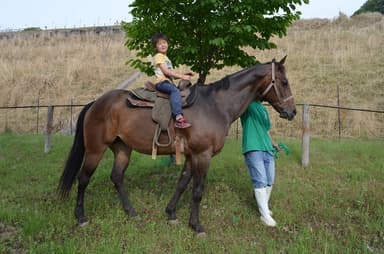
{"type": "Point", "coordinates": [322, 54]}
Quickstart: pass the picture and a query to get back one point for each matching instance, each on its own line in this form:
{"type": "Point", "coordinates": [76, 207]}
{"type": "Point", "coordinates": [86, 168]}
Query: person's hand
{"type": "Point", "coordinates": [276, 147]}
{"type": "Point", "coordinates": [186, 77]}
{"type": "Point", "coordinates": [189, 73]}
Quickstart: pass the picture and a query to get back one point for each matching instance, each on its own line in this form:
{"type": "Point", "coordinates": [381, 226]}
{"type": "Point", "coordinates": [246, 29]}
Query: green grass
{"type": "Point", "coordinates": [333, 206]}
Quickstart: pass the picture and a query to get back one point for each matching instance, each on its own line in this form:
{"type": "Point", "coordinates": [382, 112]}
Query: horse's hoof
{"type": "Point", "coordinates": [201, 235]}
{"type": "Point", "coordinates": [131, 213]}
{"type": "Point", "coordinates": [173, 222]}
{"type": "Point", "coordinates": [83, 223]}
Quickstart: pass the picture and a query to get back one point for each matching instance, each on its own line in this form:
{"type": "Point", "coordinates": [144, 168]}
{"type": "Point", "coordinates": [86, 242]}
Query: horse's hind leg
{"type": "Point", "coordinates": [122, 155]}
{"type": "Point", "coordinates": [90, 163]}
{"type": "Point", "coordinates": [184, 179]}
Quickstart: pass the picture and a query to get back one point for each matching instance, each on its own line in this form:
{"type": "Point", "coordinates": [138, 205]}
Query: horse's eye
{"type": "Point", "coordinates": [284, 82]}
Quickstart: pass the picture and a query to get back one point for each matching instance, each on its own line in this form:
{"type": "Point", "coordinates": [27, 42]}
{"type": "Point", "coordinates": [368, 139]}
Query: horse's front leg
{"type": "Point", "coordinates": [184, 179]}
{"type": "Point", "coordinates": [199, 174]}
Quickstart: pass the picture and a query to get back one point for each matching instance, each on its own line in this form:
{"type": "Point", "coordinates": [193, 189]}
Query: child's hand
{"type": "Point", "coordinates": [186, 77]}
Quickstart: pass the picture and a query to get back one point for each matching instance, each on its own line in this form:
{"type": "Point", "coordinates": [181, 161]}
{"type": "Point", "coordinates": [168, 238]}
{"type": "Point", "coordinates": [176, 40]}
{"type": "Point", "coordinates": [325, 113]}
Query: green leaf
{"type": "Point", "coordinates": [208, 34]}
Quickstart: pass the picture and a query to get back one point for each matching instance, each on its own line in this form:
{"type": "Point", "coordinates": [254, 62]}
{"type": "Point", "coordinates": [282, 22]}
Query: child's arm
{"type": "Point", "coordinates": [172, 74]}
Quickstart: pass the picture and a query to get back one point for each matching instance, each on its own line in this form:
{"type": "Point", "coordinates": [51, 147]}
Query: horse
{"type": "Point", "coordinates": [108, 122]}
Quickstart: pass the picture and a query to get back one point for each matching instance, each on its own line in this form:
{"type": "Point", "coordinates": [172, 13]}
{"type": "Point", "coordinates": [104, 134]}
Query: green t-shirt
{"type": "Point", "coordinates": [256, 124]}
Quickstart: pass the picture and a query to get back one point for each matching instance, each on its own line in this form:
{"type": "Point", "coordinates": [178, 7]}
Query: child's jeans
{"type": "Point", "coordinates": [174, 96]}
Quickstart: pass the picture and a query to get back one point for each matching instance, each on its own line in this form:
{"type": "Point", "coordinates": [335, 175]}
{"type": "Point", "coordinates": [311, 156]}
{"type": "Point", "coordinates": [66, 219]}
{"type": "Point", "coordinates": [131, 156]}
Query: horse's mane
{"type": "Point", "coordinates": [224, 83]}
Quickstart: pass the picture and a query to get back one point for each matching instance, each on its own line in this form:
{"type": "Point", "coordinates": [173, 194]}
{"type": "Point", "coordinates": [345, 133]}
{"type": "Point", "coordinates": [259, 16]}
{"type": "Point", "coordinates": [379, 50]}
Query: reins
{"type": "Point", "coordinates": [273, 85]}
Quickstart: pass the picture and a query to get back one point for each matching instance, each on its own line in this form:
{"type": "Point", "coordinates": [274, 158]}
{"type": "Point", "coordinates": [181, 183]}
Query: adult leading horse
{"type": "Point", "coordinates": [109, 122]}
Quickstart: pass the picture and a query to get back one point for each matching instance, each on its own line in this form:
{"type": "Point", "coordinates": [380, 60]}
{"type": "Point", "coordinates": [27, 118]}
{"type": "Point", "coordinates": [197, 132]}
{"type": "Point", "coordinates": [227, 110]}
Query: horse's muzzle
{"type": "Point", "coordinates": [289, 115]}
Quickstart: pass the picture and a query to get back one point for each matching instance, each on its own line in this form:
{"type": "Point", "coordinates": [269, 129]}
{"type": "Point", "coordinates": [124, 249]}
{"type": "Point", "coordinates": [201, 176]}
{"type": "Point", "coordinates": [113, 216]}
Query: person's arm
{"type": "Point", "coordinates": [275, 145]}
{"type": "Point", "coordinates": [170, 73]}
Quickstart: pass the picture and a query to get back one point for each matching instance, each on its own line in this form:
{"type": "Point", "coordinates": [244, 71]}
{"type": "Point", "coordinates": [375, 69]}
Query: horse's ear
{"type": "Point", "coordinates": [282, 61]}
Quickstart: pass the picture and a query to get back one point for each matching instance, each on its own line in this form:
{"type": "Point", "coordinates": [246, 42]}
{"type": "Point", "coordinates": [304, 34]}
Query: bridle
{"type": "Point", "coordinates": [273, 85]}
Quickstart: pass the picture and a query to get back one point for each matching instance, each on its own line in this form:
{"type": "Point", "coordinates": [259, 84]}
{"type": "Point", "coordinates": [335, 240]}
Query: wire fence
{"type": "Point", "coordinates": [326, 121]}
{"type": "Point", "coordinates": [29, 119]}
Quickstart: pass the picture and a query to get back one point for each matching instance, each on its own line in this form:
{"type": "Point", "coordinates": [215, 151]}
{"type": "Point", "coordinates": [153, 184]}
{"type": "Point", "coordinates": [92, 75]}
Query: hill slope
{"type": "Point", "coordinates": [322, 54]}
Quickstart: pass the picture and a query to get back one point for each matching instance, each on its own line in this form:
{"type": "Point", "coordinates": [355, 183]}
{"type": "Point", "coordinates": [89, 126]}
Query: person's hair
{"type": "Point", "coordinates": [158, 36]}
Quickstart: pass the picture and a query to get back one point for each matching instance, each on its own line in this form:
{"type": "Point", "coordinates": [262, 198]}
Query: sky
{"type": "Point", "coordinates": [20, 14]}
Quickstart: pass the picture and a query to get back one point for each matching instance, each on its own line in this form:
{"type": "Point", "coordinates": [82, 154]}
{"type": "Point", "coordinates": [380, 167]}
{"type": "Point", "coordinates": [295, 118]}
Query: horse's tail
{"type": "Point", "coordinates": [75, 156]}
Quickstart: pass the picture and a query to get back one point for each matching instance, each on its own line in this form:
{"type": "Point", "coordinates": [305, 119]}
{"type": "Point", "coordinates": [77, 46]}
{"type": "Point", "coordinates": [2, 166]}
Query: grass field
{"type": "Point", "coordinates": [333, 206]}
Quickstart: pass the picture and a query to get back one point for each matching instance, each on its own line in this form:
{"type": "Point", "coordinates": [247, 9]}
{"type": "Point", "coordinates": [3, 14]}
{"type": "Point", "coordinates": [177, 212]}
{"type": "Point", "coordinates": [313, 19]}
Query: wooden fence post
{"type": "Point", "coordinates": [48, 129]}
{"type": "Point", "coordinates": [338, 110]}
{"type": "Point", "coordinates": [37, 115]}
{"type": "Point", "coordinates": [70, 122]}
{"type": "Point", "coordinates": [305, 140]}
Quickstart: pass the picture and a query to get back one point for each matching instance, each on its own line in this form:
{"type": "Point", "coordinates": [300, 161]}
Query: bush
{"type": "Point", "coordinates": [32, 29]}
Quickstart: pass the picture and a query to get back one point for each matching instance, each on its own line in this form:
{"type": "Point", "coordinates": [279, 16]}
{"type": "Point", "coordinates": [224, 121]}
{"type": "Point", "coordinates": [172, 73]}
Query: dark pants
{"type": "Point", "coordinates": [174, 96]}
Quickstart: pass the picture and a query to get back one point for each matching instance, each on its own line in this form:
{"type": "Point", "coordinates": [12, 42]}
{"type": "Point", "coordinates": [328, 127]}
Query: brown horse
{"type": "Point", "coordinates": [109, 122]}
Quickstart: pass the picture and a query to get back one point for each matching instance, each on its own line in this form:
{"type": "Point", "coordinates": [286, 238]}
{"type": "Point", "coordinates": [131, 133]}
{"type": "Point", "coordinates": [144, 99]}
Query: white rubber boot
{"type": "Point", "coordinates": [262, 202]}
{"type": "Point", "coordinates": [268, 189]}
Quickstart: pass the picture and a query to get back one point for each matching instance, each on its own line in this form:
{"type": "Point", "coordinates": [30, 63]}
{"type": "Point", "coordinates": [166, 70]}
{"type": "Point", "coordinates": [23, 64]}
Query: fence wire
{"type": "Point", "coordinates": [326, 121]}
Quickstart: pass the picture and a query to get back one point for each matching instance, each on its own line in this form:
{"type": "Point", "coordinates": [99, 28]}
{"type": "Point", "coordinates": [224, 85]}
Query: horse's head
{"type": "Point", "coordinates": [277, 91]}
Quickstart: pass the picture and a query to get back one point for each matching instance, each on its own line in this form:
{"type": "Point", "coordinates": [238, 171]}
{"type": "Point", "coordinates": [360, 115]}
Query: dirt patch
{"type": "Point", "coordinates": [6, 231]}
{"type": "Point", "coordinates": [8, 239]}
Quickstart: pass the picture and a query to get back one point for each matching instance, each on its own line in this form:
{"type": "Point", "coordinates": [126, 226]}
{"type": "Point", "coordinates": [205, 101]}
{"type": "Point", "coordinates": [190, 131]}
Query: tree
{"type": "Point", "coordinates": [371, 6]}
{"type": "Point", "coordinates": [208, 34]}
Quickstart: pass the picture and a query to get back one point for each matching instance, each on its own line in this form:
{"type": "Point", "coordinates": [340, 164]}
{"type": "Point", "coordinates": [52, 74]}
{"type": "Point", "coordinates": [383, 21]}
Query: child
{"type": "Point", "coordinates": [164, 79]}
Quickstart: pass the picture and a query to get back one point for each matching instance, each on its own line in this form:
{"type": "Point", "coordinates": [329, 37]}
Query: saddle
{"type": "Point", "coordinates": [149, 97]}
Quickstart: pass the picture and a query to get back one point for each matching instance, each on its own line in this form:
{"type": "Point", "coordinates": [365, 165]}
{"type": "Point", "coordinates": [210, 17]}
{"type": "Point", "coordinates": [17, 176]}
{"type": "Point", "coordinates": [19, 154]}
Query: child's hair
{"type": "Point", "coordinates": [158, 36]}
